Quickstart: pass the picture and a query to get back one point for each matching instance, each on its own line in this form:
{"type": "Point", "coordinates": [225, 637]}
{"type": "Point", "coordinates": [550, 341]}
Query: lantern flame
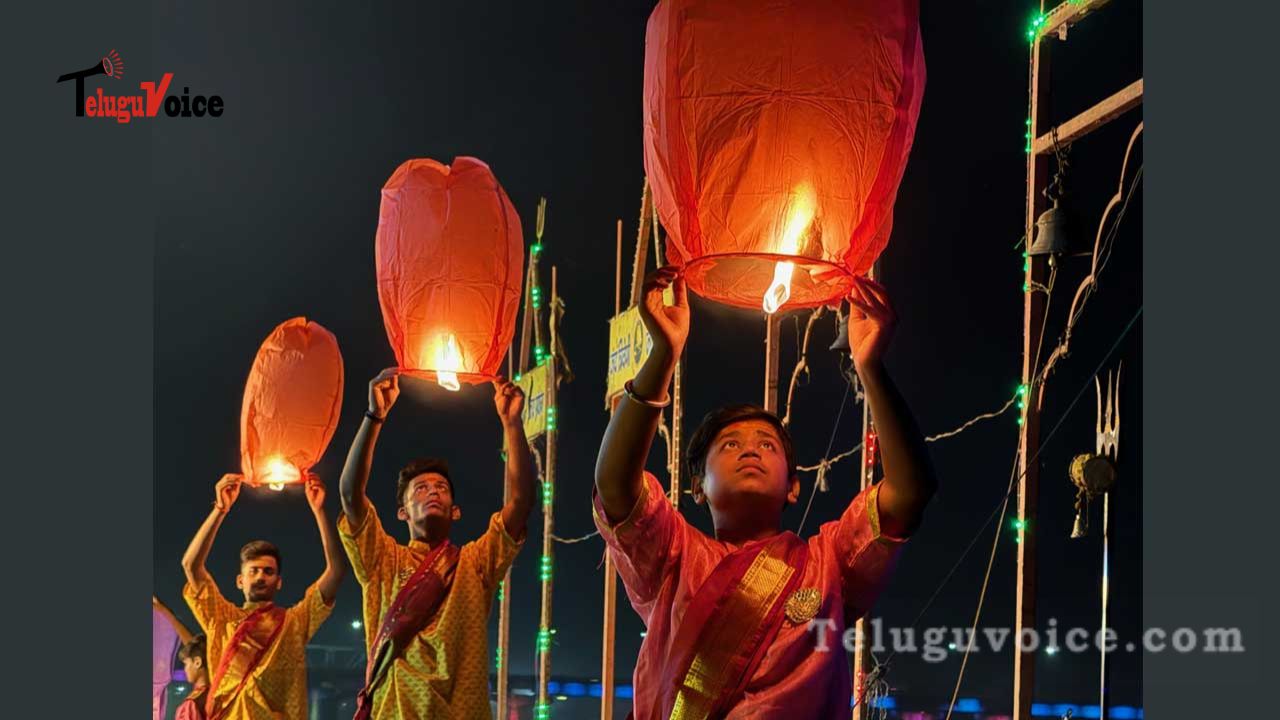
{"type": "Point", "coordinates": [448, 361]}
{"type": "Point", "coordinates": [279, 473]}
{"type": "Point", "coordinates": [803, 204]}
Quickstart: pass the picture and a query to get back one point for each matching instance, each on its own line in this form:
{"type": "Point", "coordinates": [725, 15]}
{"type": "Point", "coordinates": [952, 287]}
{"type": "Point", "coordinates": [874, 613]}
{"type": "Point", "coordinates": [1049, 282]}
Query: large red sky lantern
{"type": "Point", "coordinates": [291, 404]}
{"type": "Point", "coordinates": [450, 257]}
{"type": "Point", "coordinates": [775, 136]}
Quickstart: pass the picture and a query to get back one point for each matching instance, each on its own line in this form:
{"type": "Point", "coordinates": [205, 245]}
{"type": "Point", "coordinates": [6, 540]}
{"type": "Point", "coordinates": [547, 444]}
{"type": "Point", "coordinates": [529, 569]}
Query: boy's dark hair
{"type": "Point", "coordinates": [418, 467]}
{"type": "Point", "coordinates": [260, 548]}
{"type": "Point", "coordinates": [197, 648]}
{"type": "Point", "coordinates": [719, 419]}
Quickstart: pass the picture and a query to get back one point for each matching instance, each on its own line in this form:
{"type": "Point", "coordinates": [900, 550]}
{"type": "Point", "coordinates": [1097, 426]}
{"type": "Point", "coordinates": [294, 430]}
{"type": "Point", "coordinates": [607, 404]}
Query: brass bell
{"type": "Point", "coordinates": [1051, 232]}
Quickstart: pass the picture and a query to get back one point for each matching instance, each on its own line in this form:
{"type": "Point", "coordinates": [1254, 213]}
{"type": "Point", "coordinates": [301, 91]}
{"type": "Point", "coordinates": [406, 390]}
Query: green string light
{"type": "Point", "coordinates": [546, 493]}
{"type": "Point", "coordinates": [551, 417]}
{"type": "Point", "coordinates": [501, 589]}
{"type": "Point", "coordinates": [1028, 137]}
{"type": "Point", "coordinates": [542, 711]}
{"type": "Point", "coordinates": [536, 248]}
{"type": "Point", "coordinates": [544, 640]}
{"type": "Point", "coordinates": [1033, 29]}
{"type": "Point", "coordinates": [545, 568]}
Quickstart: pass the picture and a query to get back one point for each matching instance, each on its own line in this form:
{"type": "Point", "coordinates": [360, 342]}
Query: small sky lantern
{"type": "Point", "coordinates": [775, 136]}
{"type": "Point", "coordinates": [291, 404]}
{"type": "Point", "coordinates": [450, 258]}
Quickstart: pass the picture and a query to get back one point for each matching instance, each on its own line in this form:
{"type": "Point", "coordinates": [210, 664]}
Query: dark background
{"type": "Point", "coordinates": [269, 212]}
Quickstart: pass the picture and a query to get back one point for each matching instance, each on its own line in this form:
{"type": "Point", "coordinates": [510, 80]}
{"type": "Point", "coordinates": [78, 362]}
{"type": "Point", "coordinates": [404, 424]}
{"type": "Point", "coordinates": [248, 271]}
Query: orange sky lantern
{"type": "Point", "coordinates": [775, 136]}
{"type": "Point", "coordinates": [291, 404]}
{"type": "Point", "coordinates": [450, 257]}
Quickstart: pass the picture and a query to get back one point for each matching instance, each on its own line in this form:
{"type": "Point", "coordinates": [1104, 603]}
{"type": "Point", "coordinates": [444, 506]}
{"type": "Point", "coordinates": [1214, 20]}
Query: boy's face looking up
{"type": "Point", "coordinates": [747, 473]}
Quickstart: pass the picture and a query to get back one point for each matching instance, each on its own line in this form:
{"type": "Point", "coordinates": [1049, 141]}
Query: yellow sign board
{"type": "Point", "coordinates": [629, 347]}
{"type": "Point", "coordinates": [534, 415]}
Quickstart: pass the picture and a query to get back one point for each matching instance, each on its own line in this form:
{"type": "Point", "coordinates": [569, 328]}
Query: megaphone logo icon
{"type": "Point", "coordinates": [110, 65]}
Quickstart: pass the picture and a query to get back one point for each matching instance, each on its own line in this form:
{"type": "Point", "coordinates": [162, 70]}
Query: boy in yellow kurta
{"type": "Point", "coordinates": [426, 604]}
{"type": "Point", "coordinates": [257, 651]}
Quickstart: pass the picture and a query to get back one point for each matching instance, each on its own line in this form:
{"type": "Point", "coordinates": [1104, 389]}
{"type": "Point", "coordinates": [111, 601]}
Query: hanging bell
{"type": "Point", "coordinates": [1051, 232]}
{"type": "Point", "coordinates": [1080, 528]}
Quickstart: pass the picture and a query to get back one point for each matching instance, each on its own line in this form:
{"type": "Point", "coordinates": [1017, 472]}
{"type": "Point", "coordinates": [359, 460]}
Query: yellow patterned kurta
{"type": "Point", "coordinates": [277, 688]}
{"type": "Point", "coordinates": [444, 673]}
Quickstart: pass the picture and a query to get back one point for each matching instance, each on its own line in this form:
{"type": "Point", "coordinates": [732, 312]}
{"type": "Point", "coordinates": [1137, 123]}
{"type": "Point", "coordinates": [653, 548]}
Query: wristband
{"type": "Point", "coordinates": [376, 420]}
{"type": "Point", "coordinates": [631, 393]}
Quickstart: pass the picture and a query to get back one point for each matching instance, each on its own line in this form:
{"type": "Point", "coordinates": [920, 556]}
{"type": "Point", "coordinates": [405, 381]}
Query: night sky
{"type": "Point", "coordinates": [270, 212]}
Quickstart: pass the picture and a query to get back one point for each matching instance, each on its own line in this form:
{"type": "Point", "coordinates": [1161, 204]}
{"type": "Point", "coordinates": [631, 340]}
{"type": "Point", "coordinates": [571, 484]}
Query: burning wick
{"type": "Point", "coordinates": [279, 473]}
{"type": "Point", "coordinates": [803, 204]}
{"type": "Point", "coordinates": [448, 360]}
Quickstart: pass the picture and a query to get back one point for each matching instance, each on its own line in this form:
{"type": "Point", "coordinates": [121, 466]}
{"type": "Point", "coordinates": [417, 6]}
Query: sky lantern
{"type": "Point", "coordinates": [450, 257]}
{"type": "Point", "coordinates": [291, 404]}
{"type": "Point", "coordinates": [775, 136]}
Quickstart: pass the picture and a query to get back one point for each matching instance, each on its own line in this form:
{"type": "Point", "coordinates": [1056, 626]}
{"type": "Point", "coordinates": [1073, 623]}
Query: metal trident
{"type": "Point", "coordinates": [1108, 425]}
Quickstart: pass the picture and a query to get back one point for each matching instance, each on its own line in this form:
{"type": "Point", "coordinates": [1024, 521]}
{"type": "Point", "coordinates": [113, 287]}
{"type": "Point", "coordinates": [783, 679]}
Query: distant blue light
{"type": "Point", "coordinates": [1124, 712]}
{"type": "Point", "coordinates": [968, 705]}
{"type": "Point", "coordinates": [1091, 711]}
{"type": "Point", "coordinates": [625, 691]}
{"type": "Point", "coordinates": [596, 690]}
{"type": "Point", "coordinates": [884, 703]}
{"type": "Point", "coordinates": [1062, 709]}
{"type": "Point", "coordinates": [575, 689]}
{"type": "Point", "coordinates": [1041, 710]}
{"type": "Point", "coordinates": [553, 687]}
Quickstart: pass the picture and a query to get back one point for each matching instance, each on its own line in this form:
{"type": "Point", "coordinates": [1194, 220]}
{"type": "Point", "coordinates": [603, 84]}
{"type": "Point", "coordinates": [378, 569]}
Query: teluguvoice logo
{"type": "Point", "coordinates": [154, 97]}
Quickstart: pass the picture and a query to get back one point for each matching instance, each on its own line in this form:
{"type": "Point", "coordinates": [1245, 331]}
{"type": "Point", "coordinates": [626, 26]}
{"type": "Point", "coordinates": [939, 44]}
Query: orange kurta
{"type": "Point", "coordinates": [277, 687]}
{"type": "Point", "coordinates": [444, 673]}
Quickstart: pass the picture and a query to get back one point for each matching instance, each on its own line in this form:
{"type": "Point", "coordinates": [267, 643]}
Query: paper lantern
{"type": "Point", "coordinates": [775, 135]}
{"type": "Point", "coordinates": [450, 256]}
{"type": "Point", "coordinates": [291, 404]}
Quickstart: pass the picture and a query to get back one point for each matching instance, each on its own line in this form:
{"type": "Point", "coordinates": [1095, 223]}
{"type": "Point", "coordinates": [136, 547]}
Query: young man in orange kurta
{"type": "Point", "coordinates": [257, 651]}
{"type": "Point", "coordinates": [730, 618]}
{"type": "Point", "coordinates": [426, 604]}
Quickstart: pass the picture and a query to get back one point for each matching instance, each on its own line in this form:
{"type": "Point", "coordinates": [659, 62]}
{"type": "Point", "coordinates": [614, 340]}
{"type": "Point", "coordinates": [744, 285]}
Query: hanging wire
{"type": "Point", "coordinates": [802, 360]}
{"type": "Point", "coordinates": [571, 541]}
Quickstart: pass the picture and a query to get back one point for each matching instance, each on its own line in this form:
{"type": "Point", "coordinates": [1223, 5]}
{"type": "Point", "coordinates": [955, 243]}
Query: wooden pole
{"type": "Point", "coordinates": [548, 517]}
{"type": "Point", "coordinates": [862, 661]}
{"type": "Point", "coordinates": [1033, 320]}
{"type": "Point", "coordinates": [1104, 695]}
{"type": "Point", "coordinates": [773, 326]}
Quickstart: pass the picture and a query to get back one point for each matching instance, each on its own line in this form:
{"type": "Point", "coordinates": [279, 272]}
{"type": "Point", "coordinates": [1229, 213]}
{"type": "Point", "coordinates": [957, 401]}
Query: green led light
{"type": "Point", "coordinates": [545, 568]}
{"type": "Point", "coordinates": [546, 493]}
{"type": "Point", "coordinates": [1019, 420]}
{"type": "Point", "coordinates": [536, 248]}
{"type": "Point", "coordinates": [1022, 390]}
{"type": "Point", "coordinates": [1025, 287]}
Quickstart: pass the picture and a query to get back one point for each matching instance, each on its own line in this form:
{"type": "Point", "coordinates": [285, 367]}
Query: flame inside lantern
{"type": "Point", "coordinates": [803, 204]}
{"type": "Point", "coordinates": [448, 362]}
{"type": "Point", "coordinates": [280, 472]}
